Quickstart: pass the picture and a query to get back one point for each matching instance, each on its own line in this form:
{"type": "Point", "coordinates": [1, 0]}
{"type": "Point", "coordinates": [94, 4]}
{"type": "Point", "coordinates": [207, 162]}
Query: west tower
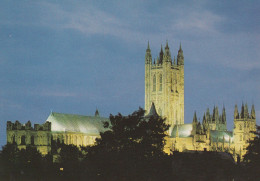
{"type": "Point", "coordinates": [164, 84]}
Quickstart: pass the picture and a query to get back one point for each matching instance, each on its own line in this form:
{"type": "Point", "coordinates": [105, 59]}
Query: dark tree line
{"type": "Point", "coordinates": [130, 149]}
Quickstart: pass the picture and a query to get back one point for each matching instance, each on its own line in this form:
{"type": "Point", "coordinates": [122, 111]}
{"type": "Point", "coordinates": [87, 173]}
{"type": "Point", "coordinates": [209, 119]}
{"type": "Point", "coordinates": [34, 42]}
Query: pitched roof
{"type": "Point", "coordinates": [218, 136]}
{"type": "Point", "coordinates": [91, 125]}
{"type": "Point", "coordinates": [184, 130]}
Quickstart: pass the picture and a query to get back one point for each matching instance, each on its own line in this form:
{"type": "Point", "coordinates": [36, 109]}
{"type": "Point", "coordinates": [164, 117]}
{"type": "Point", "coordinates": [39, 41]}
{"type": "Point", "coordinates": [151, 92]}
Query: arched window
{"type": "Point", "coordinates": [23, 140]}
{"type": "Point", "coordinates": [32, 140]}
{"type": "Point", "coordinates": [171, 85]}
{"type": "Point", "coordinates": [240, 127]}
{"type": "Point", "coordinates": [160, 89]}
{"type": "Point", "coordinates": [154, 83]}
{"type": "Point", "coordinates": [13, 139]}
{"type": "Point", "coordinates": [240, 137]}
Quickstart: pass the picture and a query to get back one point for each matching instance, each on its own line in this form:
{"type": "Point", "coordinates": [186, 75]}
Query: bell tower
{"type": "Point", "coordinates": [164, 84]}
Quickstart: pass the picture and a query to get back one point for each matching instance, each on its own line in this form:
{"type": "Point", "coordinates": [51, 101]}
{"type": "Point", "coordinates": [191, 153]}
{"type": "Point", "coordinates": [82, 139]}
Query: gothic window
{"type": "Point", "coordinates": [23, 140]}
{"type": "Point", "coordinates": [171, 85]}
{"type": "Point", "coordinates": [160, 82]}
{"type": "Point", "coordinates": [240, 127]}
{"type": "Point", "coordinates": [32, 140]}
{"type": "Point", "coordinates": [244, 124]}
{"type": "Point", "coordinates": [154, 83]}
{"type": "Point", "coordinates": [13, 139]}
{"type": "Point", "coordinates": [240, 137]}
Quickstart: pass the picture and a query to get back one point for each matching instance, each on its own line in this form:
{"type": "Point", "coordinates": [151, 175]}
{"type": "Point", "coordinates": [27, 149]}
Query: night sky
{"type": "Point", "coordinates": [76, 56]}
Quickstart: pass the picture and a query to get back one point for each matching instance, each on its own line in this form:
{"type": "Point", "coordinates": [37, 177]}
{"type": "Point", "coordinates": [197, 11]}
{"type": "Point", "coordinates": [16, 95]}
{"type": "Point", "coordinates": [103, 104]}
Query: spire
{"type": "Point", "coordinates": [236, 114]}
{"type": "Point", "coordinates": [167, 55]}
{"type": "Point", "coordinates": [148, 55]}
{"type": "Point", "coordinates": [161, 55]}
{"type": "Point", "coordinates": [246, 111]}
{"type": "Point", "coordinates": [208, 115]}
{"type": "Point", "coordinates": [195, 120]}
{"type": "Point", "coordinates": [166, 47]}
{"type": "Point", "coordinates": [242, 113]}
{"type": "Point", "coordinates": [180, 57]}
{"type": "Point", "coordinates": [253, 112]}
{"type": "Point", "coordinates": [97, 113]}
{"type": "Point", "coordinates": [153, 111]}
{"type": "Point", "coordinates": [204, 121]}
{"type": "Point", "coordinates": [215, 114]}
{"type": "Point", "coordinates": [224, 119]}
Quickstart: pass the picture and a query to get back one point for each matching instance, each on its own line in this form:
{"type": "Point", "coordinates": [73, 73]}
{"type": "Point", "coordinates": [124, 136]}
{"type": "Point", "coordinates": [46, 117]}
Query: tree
{"type": "Point", "coordinates": [252, 157]}
{"type": "Point", "coordinates": [25, 163]}
{"type": "Point", "coordinates": [130, 149]}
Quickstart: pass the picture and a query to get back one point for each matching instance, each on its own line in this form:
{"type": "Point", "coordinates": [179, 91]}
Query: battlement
{"type": "Point", "coordinates": [28, 126]}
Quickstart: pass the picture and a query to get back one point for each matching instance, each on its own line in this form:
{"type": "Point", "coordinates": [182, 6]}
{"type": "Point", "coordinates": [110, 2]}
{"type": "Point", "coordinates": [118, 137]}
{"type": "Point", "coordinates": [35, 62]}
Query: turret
{"type": "Point", "coordinates": [194, 124]}
{"type": "Point", "coordinates": [195, 120]}
{"type": "Point", "coordinates": [161, 54]}
{"type": "Point", "coordinates": [148, 55]}
{"type": "Point", "coordinates": [236, 113]}
{"type": "Point", "coordinates": [246, 112]}
{"type": "Point", "coordinates": [167, 55]}
{"type": "Point", "coordinates": [180, 57]}
{"type": "Point", "coordinates": [205, 123]}
{"type": "Point", "coordinates": [215, 115]}
{"type": "Point", "coordinates": [224, 119]}
{"type": "Point", "coordinates": [96, 113]}
{"type": "Point", "coordinates": [208, 118]}
{"type": "Point", "coordinates": [253, 112]}
{"type": "Point", "coordinates": [242, 115]}
{"type": "Point", "coordinates": [152, 111]}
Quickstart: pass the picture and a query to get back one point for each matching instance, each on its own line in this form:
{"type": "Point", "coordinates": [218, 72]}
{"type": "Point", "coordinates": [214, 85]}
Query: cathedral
{"type": "Point", "coordinates": [164, 96]}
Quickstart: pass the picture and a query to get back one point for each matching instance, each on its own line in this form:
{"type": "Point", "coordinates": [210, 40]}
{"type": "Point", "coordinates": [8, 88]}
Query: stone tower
{"type": "Point", "coordinates": [164, 84]}
{"type": "Point", "coordinates": [244, 125]}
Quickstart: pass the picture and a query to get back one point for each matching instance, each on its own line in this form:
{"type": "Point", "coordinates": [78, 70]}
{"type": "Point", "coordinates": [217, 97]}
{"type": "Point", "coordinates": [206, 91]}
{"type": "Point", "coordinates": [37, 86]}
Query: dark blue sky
{"type": "Point", "coordinates": [74, 56]}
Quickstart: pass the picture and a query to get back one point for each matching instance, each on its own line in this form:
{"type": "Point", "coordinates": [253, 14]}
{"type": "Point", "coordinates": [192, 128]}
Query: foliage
{"type": "Point", "coordinates": [252, 157]}
{"type": "Point", "coordinates": [132, 149]}
{"type": "Point", "coordinates": [24, 163]}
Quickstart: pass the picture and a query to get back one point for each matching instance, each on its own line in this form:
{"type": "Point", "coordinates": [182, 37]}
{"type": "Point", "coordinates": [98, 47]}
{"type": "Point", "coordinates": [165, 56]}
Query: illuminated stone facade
{"type": "Point", "coordinates": [73, 129]}
{"type": "Point", "coordinates": [164, 84]}
{"type": "Point", "coordinates": [38, 136]}
{"type": "Point", "coordinates": [164, 91]}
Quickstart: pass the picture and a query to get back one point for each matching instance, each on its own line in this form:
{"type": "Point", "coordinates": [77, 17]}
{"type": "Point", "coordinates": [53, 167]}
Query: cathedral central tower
{"type": "Point", "coordinates": [164, 84]}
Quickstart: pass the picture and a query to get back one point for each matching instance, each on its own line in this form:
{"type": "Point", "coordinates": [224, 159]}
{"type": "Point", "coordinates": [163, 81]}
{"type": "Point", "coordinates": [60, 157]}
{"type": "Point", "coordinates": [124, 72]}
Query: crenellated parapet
{"type": "Point", "coordinates": [28, 126]}
{"type": "Point", "coordinates": [38, 136]}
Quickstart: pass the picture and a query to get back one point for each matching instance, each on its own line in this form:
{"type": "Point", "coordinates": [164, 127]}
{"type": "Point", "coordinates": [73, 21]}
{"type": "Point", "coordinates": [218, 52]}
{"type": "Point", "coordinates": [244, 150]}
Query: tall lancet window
{"type": "Point", "coordinates": [160, 88]}
{"type": "Point", "coordinates": [154, 83]}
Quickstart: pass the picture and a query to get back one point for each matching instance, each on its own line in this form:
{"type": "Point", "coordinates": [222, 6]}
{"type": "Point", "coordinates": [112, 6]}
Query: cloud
{"type": "Point", "coordinates": [54, 93]}
{"type": "Point", "coordinates": [198, 21]}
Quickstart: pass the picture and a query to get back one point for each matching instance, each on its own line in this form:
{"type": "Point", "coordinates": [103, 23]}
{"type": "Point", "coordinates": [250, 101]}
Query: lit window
{"type": "Point", "coordinates": [160, 82]}
{"type": "Point", "coordinates": [154, 83]}
{"type": "Point", "coordinates": [23, 140]}
{"type": "Point", "coordinates": [32, 140]}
